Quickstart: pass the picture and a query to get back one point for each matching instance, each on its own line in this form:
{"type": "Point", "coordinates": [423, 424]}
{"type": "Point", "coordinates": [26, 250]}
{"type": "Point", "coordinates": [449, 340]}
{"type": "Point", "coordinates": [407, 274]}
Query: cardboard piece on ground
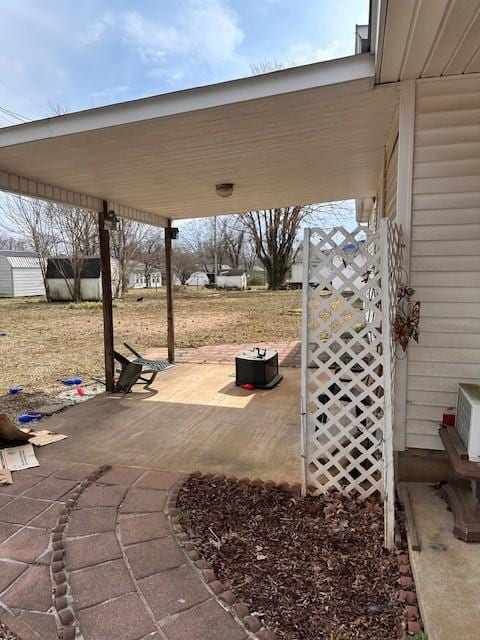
{"type": "Point", "coordinates": [18, 458]}
{"type": "Point", "coordinates": [5, 477]}
{"type": "Point", "coordinates": [41, 438]}
{"type": "Point", "coordinates": [9, 432]}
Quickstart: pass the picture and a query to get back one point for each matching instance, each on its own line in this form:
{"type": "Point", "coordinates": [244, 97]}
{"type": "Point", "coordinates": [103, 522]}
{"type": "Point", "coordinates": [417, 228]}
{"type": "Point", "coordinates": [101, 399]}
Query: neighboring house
{"type": "Point", "coordinates": [20, 274]}
{"type": "Point", "coordinates": [198, 279]}
{"type": "Point", "coordinates": [60, 278]}
{"type": "Point", "coordinates": [296, 272]}
{"type": "Point", "coordinates": [232, 279]}
{"type": "Point", "coordinates": [138, 280]}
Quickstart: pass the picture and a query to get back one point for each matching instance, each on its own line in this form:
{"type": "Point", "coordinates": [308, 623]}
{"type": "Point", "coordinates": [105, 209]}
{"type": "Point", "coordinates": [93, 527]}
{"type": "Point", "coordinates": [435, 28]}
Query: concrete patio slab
{"type": "Point", "coordinates": [193, 418]}
{"type": "Point", "coordinates": [289, 353]}
{"type": "Point", "coordinates": [446, 570]}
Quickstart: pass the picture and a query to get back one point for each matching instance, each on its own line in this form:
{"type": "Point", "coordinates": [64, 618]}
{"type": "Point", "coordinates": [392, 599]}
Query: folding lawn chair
{"type": "Point", "coordinates": [130, 372]}
{"type": "Point", "coordinates": [151, 367]}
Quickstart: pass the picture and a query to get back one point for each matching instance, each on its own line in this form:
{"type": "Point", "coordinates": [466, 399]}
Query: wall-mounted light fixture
{"type": "Point", "coordinates": [224, 189]}
{"type": "Point", "coordinates": [111, 221]}
{"type": "Point", "coordinates": [172, 232]}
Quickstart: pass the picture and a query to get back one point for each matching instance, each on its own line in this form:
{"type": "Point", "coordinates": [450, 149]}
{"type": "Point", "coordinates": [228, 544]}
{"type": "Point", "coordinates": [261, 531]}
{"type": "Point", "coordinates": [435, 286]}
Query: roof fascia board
{"type": "Point", "coordinates": [311, 76]}
{"type": "Point", "coordinates": [379, 18]}
{"type": "Point", "coordinates": [31, 188]}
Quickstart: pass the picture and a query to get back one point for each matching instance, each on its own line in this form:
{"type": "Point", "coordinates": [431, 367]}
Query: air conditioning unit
{"type": "Point", "coordinates": [468, 419]}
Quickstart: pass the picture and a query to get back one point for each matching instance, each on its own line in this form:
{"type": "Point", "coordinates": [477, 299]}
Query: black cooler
{"type": "Point", "coordinates": [258, 367]}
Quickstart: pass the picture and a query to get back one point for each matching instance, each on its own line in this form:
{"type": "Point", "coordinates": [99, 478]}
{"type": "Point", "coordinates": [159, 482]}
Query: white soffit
{"type": "Point", "coordinates": [428, 38]}
{"type": "Point", "coordinates": [313, 133]}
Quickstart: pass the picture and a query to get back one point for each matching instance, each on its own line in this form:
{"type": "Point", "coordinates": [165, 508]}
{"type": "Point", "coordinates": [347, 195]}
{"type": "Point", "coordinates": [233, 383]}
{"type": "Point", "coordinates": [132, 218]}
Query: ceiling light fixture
{"type": "Point", "coordinates": [224, 189]}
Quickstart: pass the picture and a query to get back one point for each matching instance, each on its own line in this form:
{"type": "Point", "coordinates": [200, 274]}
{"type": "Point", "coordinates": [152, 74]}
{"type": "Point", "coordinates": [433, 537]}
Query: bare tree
{"type": "Point", "coordinates": [275, 233]}
{"type": "Point", "coordinates": [27, 219]}
{"type": "Point", "coordinates": [11, 243]}
{"type": "Point", "coordinates": [75, 234]}
{"type": "Point", "coordinates": [267, 66]}
{"type": "Point", "coordinates": [126, 244]}
{"type": "Point", "coordinates": [197, 237]}
{"type": "Point", "coordinates": [233, 237]}
{"type": "Point", "coordinates": [151, 253]}
{"type": "Point", "coordinates": [249, 255]}
{"type": "Point", "coordinates": [231, 245]}
{"type": "Point", "coordinates": [184, 263]}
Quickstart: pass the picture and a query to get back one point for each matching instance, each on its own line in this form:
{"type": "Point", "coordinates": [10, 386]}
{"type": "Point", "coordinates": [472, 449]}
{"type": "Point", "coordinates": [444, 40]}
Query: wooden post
{"type": "Point", "coordinates": [388, 411]}
{"type": "Point", "coordinates": [169, 289]}
{"type": "Point", "coordinates": [104, 236]}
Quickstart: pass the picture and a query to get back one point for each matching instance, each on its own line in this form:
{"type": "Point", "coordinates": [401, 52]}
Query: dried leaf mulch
{"type": "Point", "coordinates": [6, 634]}
{"type": "Point", "coordinates": [311, 568]}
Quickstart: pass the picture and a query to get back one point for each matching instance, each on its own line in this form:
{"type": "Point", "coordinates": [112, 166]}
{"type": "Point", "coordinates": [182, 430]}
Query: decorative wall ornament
{"type": "Point", "coordinates": [407, 317]}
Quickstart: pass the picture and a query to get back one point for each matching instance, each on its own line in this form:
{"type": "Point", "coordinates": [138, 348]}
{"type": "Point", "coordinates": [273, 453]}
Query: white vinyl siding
{"type": "Point", "coordinates": [27, 282]}
{"type": "Point", "coordinates": [445, 252]}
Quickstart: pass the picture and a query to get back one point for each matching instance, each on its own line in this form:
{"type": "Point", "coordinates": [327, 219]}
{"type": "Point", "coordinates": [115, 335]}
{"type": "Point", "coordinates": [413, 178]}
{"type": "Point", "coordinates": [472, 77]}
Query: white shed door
{"type": "Point", "coordinates": [27, 282]}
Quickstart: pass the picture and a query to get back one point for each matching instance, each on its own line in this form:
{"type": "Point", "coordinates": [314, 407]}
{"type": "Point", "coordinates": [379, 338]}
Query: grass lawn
{"type": "Point", "coordinates": [48, 341]}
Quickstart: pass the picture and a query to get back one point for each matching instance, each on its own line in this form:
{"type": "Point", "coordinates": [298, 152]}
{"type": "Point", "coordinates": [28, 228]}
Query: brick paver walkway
{"type": "Point", "coordinates": [89, 553]}
{"type": "Point", "coordinates": [288, 353]}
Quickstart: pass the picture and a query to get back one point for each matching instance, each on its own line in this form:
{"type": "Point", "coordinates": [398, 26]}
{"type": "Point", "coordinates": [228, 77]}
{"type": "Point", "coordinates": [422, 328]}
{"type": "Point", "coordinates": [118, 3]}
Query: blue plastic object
{"type": "Point", "coordinates": [72, 381]}
{"type": "Point", "coordinates": [29, 417]}
{"type": "Point", "coordinates": [14, 390]}
{"type": "Point", "coordinates": [2, 333]}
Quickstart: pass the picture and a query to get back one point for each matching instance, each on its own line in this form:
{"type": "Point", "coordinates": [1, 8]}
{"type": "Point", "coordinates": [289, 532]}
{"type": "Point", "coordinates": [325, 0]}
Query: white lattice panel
{"type": "Point", "coordinates": [344, 329]}
{"type": "Point", "coordinates": [391, 241]}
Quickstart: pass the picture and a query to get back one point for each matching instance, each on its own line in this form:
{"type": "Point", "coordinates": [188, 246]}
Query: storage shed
{"type": "Point", "coordinates": [198, 279]}
{"type": "Point", "coordinates": [232, 279]}
{"type": "Point", "coordinates": [20, 274]}
{"type": "Point", "coordinates": [60, 278]}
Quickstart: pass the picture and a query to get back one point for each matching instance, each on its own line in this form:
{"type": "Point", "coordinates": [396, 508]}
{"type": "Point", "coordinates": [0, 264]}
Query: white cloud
{"type": "Point", "coordinates": [116, 92]}
{"type": "Point", "coordinates": [306, 52]}
{"type": "Point", "coordinates": [94, 32]}
{"type": "Point", "coordinates": [172, 76]}
{"type": "Point", "coordinates": [152, 40]}
{"type": "Point", "coordinates": [206, 30]}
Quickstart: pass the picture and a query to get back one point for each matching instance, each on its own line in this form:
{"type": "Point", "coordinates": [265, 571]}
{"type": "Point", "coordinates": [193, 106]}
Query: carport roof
{"type": "Point", "coordinates": [307, 134]}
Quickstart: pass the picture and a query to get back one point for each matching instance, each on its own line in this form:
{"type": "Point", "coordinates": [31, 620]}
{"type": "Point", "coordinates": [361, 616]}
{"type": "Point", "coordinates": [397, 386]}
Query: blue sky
{"type": "Point", "coordinates": [95, 52]}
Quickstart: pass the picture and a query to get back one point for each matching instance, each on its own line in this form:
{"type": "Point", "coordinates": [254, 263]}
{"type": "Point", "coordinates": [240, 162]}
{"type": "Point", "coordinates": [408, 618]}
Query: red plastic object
{"type": "Point", "coordinates": [248, 386]}
{"type": "Point", "coordinates": [80, 391]}
{"type": "Point", "coordinates": [448, 419]}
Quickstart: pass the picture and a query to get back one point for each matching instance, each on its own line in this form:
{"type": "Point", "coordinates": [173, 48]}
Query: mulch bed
{"type": "Point", "coordinates": [311, 568]}
{"type": "Point", "coordinates": [6, 634]}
